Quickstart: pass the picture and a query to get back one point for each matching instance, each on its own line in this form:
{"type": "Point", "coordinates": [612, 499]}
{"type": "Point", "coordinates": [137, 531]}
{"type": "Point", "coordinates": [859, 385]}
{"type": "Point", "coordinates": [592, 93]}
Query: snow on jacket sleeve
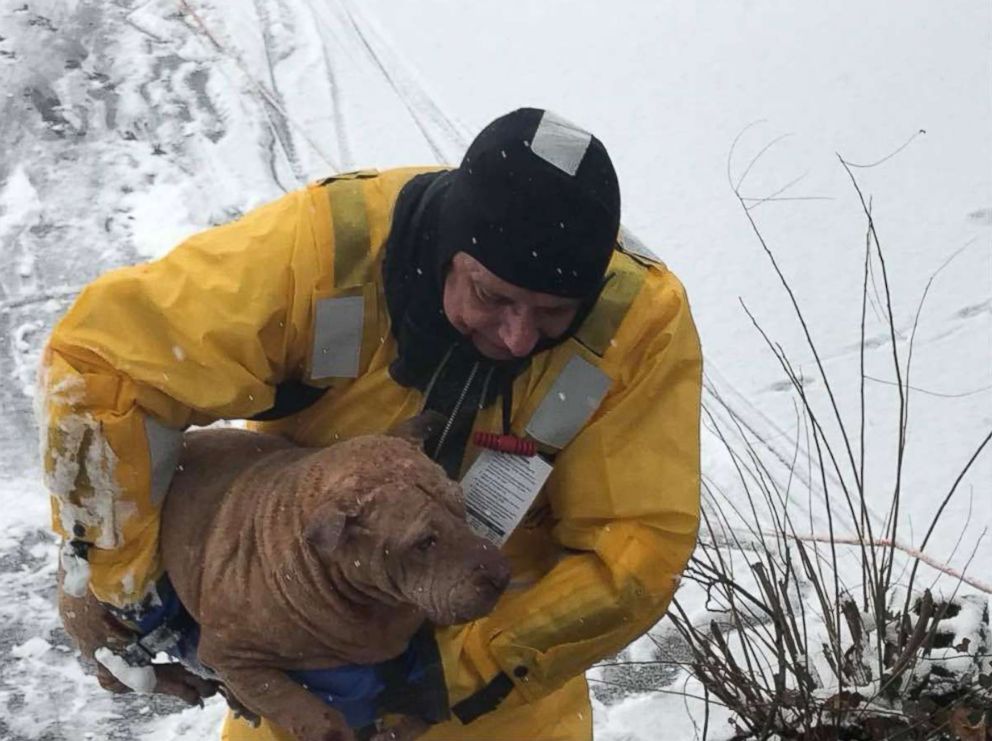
{"type": "Point", "coordinates": [625, 493]}
{"type": "Point", "coordinates": [201, 334]}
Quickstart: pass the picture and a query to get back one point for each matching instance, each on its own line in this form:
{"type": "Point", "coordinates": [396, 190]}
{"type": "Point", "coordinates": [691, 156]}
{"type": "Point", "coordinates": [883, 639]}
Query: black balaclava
{"type": "Point", "coordinates": [536, 201]}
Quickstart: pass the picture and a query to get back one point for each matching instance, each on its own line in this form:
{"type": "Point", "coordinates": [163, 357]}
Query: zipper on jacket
{"type": "Point", "coordinates": [485, 387]}
{"type": "Point", "coordinates": [455, 410]}
{"type": "Point", "coordinates": [437, 372]}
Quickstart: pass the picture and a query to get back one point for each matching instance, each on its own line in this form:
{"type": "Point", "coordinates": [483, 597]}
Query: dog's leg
{"type": "Point", "coordinates": [406, 729]}
{"type": "Point", "coordinates": [274, 696]}
{"type": "Point", "coordinates": [176, 680]}
{"type": "Point", "coordinates": [277, 698]}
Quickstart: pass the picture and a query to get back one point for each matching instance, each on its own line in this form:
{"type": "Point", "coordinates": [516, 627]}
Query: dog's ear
{"type": "Point", "coordinates": [419, 429]}
{"type": "Point", "coordinates": [326, 529]}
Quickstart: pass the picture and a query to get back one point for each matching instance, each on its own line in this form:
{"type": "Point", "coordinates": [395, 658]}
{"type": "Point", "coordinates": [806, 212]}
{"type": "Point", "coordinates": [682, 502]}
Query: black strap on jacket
{"type": "Point", "coordinates": [291, 397]}
{"type": "Point", "coordinates": [485, 700]}
{"type": "Point", "coordinates": [418, 689]}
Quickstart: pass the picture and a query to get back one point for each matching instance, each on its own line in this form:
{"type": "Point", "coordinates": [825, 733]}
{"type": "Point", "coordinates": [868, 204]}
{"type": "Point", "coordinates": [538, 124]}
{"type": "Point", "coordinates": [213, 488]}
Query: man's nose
{"type": "Point", "coordinates": [518, 331]}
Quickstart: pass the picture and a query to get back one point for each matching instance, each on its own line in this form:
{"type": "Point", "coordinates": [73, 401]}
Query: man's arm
{"type": "Point", "coordinates": [625, 493]}
{"type": "Point", "coordinates": [202, 334]}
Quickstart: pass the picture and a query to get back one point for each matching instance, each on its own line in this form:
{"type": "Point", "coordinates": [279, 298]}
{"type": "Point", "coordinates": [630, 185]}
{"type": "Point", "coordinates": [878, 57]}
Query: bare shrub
{"type": "Point", "coordinates": [786, 644]}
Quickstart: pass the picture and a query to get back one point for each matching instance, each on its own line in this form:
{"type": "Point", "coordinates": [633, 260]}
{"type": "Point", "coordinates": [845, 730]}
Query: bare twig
{"type": "Point", "coordinates": [889, 156]}
{"type": "Point", "coordinates": [909, 550]}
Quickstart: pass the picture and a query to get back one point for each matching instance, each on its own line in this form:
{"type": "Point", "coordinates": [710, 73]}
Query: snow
{"type": "Point", "coordinates": [77, 572]}
{"type": "Point", "coordinates": [130, 125]}
{"type": "Point", "coordinates": [31, 648]}
{"type": "Point", "coordinates": [19, 202]}
{"type": "Point", "coordinates": [139, 678]}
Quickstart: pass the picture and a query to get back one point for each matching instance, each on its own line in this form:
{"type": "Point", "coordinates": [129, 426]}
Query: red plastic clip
{"type": "Point", "coordinates": [505, 443]}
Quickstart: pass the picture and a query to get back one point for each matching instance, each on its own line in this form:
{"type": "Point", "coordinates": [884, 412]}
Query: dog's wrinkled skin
{"type": "Point", "coordinates": [299, 558]}
{"type": "Point", "coordinates": [293, 558]}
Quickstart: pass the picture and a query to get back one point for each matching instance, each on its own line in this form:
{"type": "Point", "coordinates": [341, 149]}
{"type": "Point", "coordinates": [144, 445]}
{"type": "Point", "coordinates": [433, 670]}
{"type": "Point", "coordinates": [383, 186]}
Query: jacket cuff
{"type": "Point", "coordinates": [485, 700]}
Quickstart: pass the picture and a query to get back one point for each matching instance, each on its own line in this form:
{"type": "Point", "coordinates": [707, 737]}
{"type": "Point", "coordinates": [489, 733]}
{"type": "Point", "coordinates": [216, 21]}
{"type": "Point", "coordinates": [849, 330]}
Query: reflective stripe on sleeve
{"type": "Point", "coordinates": [573, 397]}
{"type": "Point", "coordinates": [164, 446]}
{"type": "Point", "coordinates": [337, 337]}
{"type": "Point", "coordinates": [560, 142]}
{"type": "Point", "coordinates": [624, 280]}
{"type": "Point", "coordinates": [352, 247]}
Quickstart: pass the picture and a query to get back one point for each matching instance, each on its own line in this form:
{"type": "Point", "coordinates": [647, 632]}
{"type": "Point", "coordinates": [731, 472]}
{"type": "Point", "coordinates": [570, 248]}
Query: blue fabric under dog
{"type": "Point", "coordinates": [352, 690]}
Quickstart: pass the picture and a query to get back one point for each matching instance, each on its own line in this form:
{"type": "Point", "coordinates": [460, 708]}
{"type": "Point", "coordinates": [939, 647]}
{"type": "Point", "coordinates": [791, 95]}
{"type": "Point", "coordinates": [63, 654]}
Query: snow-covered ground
{"type": "Point", "coordinates": [127, 125]}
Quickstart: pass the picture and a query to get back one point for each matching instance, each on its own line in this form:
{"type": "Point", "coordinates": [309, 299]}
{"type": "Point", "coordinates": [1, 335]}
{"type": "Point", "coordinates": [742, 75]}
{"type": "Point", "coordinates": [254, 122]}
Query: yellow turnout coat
{"type": "Point", "coordinates": [294, 290]}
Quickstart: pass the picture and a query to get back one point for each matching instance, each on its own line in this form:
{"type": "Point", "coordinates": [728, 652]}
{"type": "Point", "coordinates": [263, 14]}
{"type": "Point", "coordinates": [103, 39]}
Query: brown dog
{"type": "Point", "coordinates": [298, 558]}
{"type": "Point", "coordinates": [311, 558]}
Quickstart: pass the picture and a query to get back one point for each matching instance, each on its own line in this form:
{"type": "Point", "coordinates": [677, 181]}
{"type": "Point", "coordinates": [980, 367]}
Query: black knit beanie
{"type": "Point", "coordinates": [536, 201]}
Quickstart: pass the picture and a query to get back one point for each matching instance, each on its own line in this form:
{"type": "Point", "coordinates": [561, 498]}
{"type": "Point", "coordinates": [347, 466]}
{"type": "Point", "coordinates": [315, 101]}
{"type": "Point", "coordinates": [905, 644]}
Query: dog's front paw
{"type": "Point", "coordinates": [326, 725]}
{"type": "Point", "coordinates": [407, 729]}
{"type": "Point", "coordinates": [238, 708]}
{"type": "Point", "coordinates": [176, 680]}
{"type": "Point", "coordinates": [109, 682]}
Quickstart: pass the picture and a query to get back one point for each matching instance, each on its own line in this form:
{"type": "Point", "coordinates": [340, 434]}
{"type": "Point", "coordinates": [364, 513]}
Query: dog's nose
{"type": "Point", "coordinates": [496, 574]}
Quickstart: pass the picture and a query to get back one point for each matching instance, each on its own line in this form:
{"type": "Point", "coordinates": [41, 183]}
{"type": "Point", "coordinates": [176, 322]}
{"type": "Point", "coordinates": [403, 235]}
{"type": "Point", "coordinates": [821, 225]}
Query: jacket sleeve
{"type": "Point", "coordinates": [625, 493]}
{"type": "Point", "coordinates": [202, 334]}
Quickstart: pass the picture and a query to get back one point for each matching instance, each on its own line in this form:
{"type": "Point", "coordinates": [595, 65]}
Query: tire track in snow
{"type": "Point", "coordinates": [446, 137]}
{"type": "Point", "coordinates": [450, 138]}
{"type": "Point", "coordinates": [340, 123]}
{"type": "Point", "coordinates": [270, 102]}
{"type": "Point", "coordinates": [337, 110]}
{"type": "Point", "coordinates": [270, 108]}
{"type": "Point", "coordinates": [280, 125]}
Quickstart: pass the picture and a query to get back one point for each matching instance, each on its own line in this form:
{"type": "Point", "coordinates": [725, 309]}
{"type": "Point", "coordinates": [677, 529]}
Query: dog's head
{"type": "Point", "coordinates": [393, 524]}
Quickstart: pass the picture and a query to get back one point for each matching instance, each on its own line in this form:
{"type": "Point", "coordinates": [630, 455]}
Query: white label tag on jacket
{"type": "Point", "coordinates": [499, 489]}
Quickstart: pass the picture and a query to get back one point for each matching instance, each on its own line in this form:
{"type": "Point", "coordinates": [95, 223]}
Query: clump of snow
{"type": "Point", "coordinates": [31, 648]}
{"type": "Point", "coordinates": [138, 678]}
{"type": "Point", "coordinates": [19, 203]}
{"type": "Point", "coordinates": [27, 341]}
{"type": "Point", "coordinates": [77, 572]}
{"type": "Point", "coordinates": [25, 266]}
{"type": "Point", "coordinates": [962, 643]}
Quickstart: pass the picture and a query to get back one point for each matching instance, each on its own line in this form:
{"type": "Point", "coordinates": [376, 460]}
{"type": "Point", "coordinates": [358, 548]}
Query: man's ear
{"type": "Point", "coordinates": [419, 429]}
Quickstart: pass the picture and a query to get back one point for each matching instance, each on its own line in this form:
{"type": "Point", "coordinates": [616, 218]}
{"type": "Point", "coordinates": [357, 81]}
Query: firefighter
{"type": "Point", "coordinates": [504, 295]}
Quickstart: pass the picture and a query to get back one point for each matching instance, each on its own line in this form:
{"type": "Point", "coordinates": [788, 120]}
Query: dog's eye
{"type": "Point", "coordinates": [425, 544]}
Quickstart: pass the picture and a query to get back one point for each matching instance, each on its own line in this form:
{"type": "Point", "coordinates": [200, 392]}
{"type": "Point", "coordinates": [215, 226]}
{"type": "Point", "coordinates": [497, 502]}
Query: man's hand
{"type": "Point", "coordinates": [93, 627]}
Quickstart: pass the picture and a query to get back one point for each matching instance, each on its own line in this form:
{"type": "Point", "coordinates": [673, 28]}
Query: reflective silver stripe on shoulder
{"type": "Point", "coordinates": [631, 244]}
{"type": "Point", "coordinates": [571, 401]}
{"type": "Point", "coordinates": [164, 446]}
{"type": "Point", "coordinates": [337, 337]}
{"type": "Point", "coordinates": [560, 142]}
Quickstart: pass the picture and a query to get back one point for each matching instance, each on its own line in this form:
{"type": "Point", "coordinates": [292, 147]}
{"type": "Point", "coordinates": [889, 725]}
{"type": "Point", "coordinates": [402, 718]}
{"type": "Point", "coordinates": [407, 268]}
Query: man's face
{"type": "Point", "coordinates": [503, 320]}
